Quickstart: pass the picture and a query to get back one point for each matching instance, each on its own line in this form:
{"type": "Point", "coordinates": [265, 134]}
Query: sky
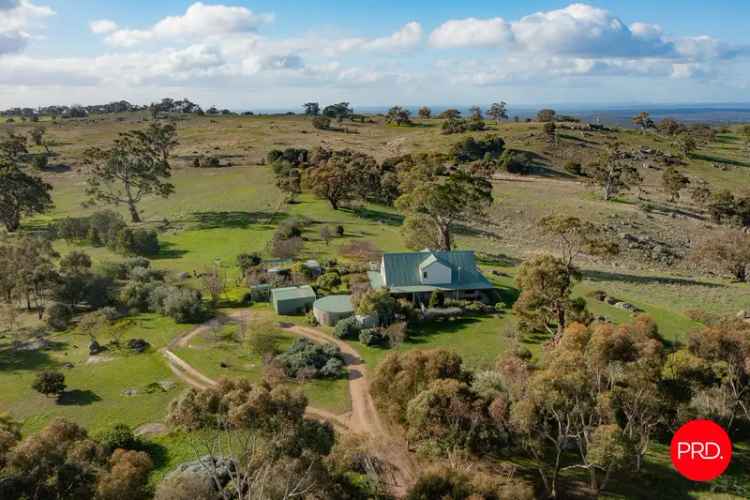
{"type": "Point", "coordinates": [279, 54]}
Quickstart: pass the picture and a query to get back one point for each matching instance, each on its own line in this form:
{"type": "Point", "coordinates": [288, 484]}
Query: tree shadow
{"type": "Point", "coordinates": [168, 251]}
{"type": "Point", "coordinates": [499, 259]}
{"type": "Point", "coordinates": [378, 216]}
{"type": "Point", "coordinates": [598, 276]}
{"type": "Point", "coordinates": [158, 453]}
{"type": "Point", "coordinates": [577, 139]}
{"type": "Point", "coordinates": [14, 359]}
{"type": "Point", "coordinates": [716, 159]}
{"type": "Point", "coordinates": [236, 219]}
{"type": "Point", "coordinates": [77, 397]}
{"type": "Point", "coordinates": [57, 168]}
{"type": "Point", "coordinates": [430, 328]}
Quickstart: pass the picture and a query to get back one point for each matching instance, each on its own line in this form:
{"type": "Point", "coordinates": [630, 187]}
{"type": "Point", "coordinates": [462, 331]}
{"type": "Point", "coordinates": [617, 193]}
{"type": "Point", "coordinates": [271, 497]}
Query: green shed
{"type": "Point", "coordinates": [293, 300]}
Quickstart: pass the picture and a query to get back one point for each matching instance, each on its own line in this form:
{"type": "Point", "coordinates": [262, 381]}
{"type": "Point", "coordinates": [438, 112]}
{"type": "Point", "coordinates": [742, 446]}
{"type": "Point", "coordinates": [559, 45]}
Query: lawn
{"type": "Point", "coordinates": [95, 395]}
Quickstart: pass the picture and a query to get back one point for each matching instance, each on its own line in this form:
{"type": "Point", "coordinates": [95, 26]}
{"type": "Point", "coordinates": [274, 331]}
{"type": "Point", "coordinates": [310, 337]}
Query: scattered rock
{"type": "Point", "coordinates": [627, 307]}
{"type": "Point", "coordinates": [138, 345]}
{"type": "Point", "coordinates": [151, 429]}
{"type": "Point", "coordinates": [68, 365]}
{"type": "Point", "coordinates": [166, 384]}
{"type": "Point", "coordinates": [36, 344]}
{"type": "Point", "coordinates": [130, 392]}
{"type": "Point", "coordinates": [95, 348]}
{"type": "Point", "coordinates": [208, 468]}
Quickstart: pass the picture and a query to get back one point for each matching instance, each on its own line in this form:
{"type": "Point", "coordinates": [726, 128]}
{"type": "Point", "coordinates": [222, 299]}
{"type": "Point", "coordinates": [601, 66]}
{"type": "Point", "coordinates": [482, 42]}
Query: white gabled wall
{"type": "Point", "coordinates": [435, 273]}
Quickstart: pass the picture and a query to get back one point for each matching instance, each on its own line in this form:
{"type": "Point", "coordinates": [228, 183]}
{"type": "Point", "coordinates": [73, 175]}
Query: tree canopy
{"type": "Point", "coordinates": [137, 165]}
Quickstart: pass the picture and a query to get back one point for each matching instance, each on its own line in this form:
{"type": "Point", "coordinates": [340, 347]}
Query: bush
{"type": "Point", "coordinates": [141, 242]}
{"type": "Point", "coordinates": [305, 358]}
{"type": "Point", "coordinates": [184, 305]}
{"type": "Point", "coordinates": [136, 295]}
{"type": "Point", "coordinates": [58, 316]}
{"type": "Point", "coordinates": [329, 281]}
{"type": "Point", "coordinates": [339, 230]}
{"type": "Point", "coordinates": [40, 162]}
{"type": "Point", "coordinates": [347, 328]}
{"type": "Point", "coordinates": [516, 162]}
{"type": "Point", "coordinates": [471, 149]}
{"type": "Point", "coordinates": [49, 382]}
{"type": "Point", "coordinates": [373, 337]}
{"type": "Point", "coordinates": [573, 167]}
{"type": "Point", "coordinates": [248, 261]}
{"type": "Point", "coordinates": [120, 436]}
{"type": "Point", "coordinates": [321, 122]}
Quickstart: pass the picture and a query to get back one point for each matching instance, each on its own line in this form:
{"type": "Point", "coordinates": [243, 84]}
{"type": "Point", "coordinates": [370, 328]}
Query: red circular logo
{"type": "Point", "coordinates": [701, 450]}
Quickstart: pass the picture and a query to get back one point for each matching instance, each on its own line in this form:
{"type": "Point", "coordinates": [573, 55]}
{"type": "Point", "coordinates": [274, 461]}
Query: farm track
{"type": "Point", "coordinates": [363, 418]}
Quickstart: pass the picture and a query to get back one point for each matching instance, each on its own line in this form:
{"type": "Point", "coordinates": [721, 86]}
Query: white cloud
{"type": "Point", "coordinates": [103, 26]}
{"type": "Point", "coordinates": [577, 30]}
{"type": "Point", "coordinates": [17, 19]}
{"type": "Point", "coordinates": [472, 32]}
{"type": "Point", "coordinates": [199, 21]}
{"type": "Point", "coordinates": [408, 37]}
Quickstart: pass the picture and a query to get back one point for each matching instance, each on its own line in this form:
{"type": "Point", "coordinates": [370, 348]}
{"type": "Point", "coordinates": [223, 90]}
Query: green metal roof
{"type": "Point", "coordinates": [293, 293]}
{"type": "Point", "coordinates": [335, 304]}
{"type": "Point", "coordinates": [402, 271]}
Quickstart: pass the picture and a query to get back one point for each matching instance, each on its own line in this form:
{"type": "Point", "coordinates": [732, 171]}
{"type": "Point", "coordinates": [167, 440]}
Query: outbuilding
{"type": "Point", "coordinates": [293, 300]}
{"type": "Point", "coordinates": [332, 309]}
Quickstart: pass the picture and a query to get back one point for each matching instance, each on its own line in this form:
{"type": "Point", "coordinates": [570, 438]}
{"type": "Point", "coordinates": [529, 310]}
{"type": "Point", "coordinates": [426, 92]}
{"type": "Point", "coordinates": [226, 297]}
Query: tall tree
{"type": "Point", "coordinates": [614, 173]}
{"type": "Point", "coordinates": [643, 121]}
{"type": "Point", "coordinates": [545, 303]}
{"type": "Point", "coordinates": [311, 108]}
{"type": "Point", "coordinates": [425, 112]}
{"type": "Point", "coordinates": [440, 202]}
{"type": "Point", "coordinates": [726, 252]}
{"type": "Point", "coordinates": [335, 174]}
{"type": "Point", "coordinates": [475, 113]}
{"type": "Point", "coordinates": [398, 116]}
{"type": "Point", "coordinates": [576, 237]}
{"type": "Point", "coordinates": [20, 193]}
{"type": "Point", "coordinates": [674, 182]}
{"type": "Point", "coordinates": [137, 165]}
{"type": "Point", "coordinates": [498, 111]}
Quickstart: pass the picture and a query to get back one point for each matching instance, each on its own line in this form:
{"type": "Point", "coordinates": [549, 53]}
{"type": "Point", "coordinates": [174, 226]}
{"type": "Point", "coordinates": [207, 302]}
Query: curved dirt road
{"type": "Point", "coordinates": [363, 419]}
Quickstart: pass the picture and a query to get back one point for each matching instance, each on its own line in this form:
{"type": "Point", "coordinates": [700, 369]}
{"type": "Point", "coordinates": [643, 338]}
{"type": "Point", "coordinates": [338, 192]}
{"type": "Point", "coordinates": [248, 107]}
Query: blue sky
{"type": "Point", "coordinates": [276, 54]}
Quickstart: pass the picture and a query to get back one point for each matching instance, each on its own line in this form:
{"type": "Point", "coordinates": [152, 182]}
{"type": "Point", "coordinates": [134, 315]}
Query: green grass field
{"type": "Point", "coordinates": [95, 395]}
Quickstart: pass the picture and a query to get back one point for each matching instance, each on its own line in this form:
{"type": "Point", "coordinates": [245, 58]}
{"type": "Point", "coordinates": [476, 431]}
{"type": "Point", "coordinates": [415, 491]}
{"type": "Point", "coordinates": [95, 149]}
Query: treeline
{"type": "Point", "coordinates": [434, 191]}
{"type": "Point", "coordinates": [596, 401]}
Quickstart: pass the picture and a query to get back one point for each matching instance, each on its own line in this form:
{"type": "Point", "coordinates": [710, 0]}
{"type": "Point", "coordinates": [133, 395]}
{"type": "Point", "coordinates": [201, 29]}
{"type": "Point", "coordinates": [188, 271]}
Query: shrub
{"type": "Point", "coordinates": [136, 295]}
{"type": "Point", "coordinates": [184, 305]}
{"type": "Point", "coordinates": [141, 242]}
{"type": "Point", "coordinates": [329, 281]}
{"type": "Point", "coordinates": [248, 261]}
{"type": "Point", "coordinates": [574, 168]}
{"type": "Point", "coordinates": [347, 328]}
{"type": "Point", "coordinates": [120, 436]}
{"type": "Point", "coordinates": [339, 230]}
{"type": "Point", "coordinates": [321, 122]}
{"type": "Point", "coordinates": [310, 360]}
{"type": "Point", "coordinates": [58, 316]}
{"type": "Point", "coordinates": [373, 337]}
{"type": "Point", "coordinates": [40, 162]}
{"type": "Point", "coordinates": [49, 382]}
{"type": "Point", "coordinates": [516, 162]}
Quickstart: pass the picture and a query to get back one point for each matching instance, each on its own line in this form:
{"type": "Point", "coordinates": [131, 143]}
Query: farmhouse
{"type": "Point", "coordinates": [416, 275]}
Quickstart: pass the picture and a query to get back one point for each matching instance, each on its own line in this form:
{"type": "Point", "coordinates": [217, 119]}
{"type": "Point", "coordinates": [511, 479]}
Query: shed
{"type": "Point", "coordinates": [332, 309]}
{"type": "Point", "coordinates": [293, 300]}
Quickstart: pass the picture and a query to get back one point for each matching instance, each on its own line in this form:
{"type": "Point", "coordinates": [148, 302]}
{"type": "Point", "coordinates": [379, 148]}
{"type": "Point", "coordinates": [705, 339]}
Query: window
{"type": "Point", "coordinates": [424, 274]}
